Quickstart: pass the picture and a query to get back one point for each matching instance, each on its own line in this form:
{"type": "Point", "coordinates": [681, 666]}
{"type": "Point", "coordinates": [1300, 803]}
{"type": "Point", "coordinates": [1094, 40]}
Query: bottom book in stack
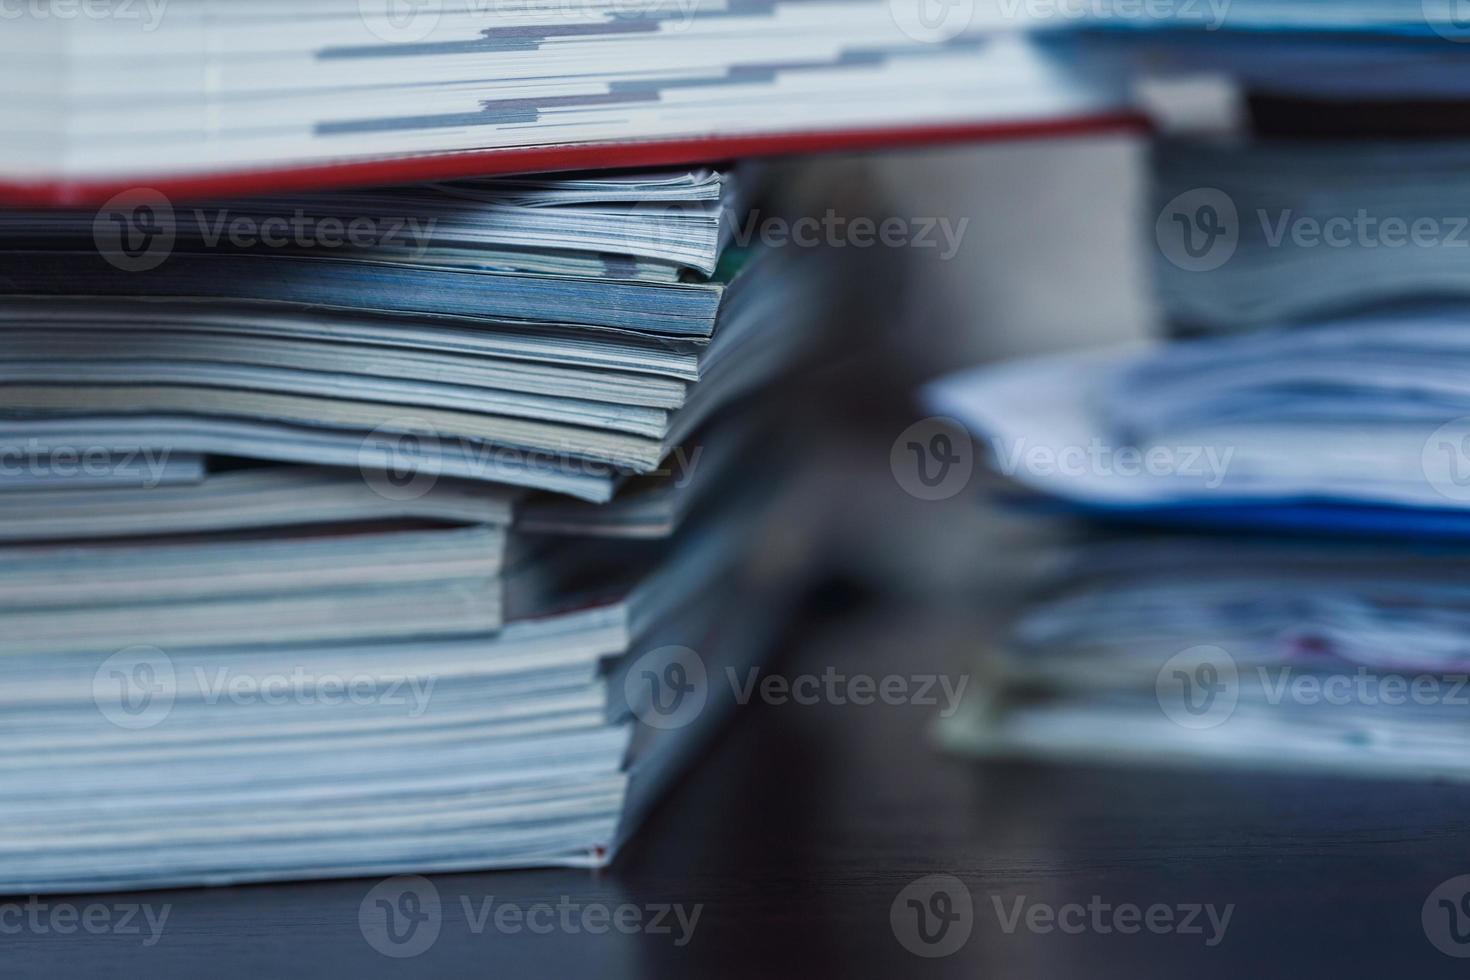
{"type": "Point", "coordinates": [1295, 654]}
{"type": "Point", "coordinates": [313, 680]}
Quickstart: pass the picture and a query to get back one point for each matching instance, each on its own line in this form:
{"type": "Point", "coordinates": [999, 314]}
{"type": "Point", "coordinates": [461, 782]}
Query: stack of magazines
{"type": "Point", "coordinates": [380, 530]}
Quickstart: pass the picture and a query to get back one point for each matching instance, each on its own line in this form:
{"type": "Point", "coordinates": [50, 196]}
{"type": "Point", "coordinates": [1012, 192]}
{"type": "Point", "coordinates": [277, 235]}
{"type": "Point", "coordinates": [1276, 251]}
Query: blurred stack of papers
{"type": "Point", "coordinates": [1214, 652]}
{"type": "Point", "coordinates": [1328, 392]}
{"type": "Point", "coordinates": [1272, 231]}
{"type": "Point", "coordinates": [462, 526]}
{"type": "Point", "coordinates": [1322, 400]}
{"type": "Point", "coordinates": [1348, 425]}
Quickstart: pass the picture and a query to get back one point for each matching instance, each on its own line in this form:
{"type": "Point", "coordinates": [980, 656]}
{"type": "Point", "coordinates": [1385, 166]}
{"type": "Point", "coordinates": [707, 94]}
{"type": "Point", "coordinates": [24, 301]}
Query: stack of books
{"type": "Point", "coordinates": [374, 500]}
{"type": "Point", "coordinates": [434, 586]}
{"type": "Point", "coordinates": [1305, 438]}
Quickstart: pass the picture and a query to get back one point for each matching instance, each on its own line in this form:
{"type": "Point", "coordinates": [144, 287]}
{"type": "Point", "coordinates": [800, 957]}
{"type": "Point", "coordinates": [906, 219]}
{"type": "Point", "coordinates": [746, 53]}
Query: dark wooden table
{"type": "Point", "coordinates": [804, 823]}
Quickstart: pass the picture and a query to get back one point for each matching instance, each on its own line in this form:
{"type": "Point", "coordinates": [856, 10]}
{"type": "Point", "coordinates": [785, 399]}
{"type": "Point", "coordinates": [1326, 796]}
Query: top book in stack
{"type": "Point", "coordinates": [192, 97]}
